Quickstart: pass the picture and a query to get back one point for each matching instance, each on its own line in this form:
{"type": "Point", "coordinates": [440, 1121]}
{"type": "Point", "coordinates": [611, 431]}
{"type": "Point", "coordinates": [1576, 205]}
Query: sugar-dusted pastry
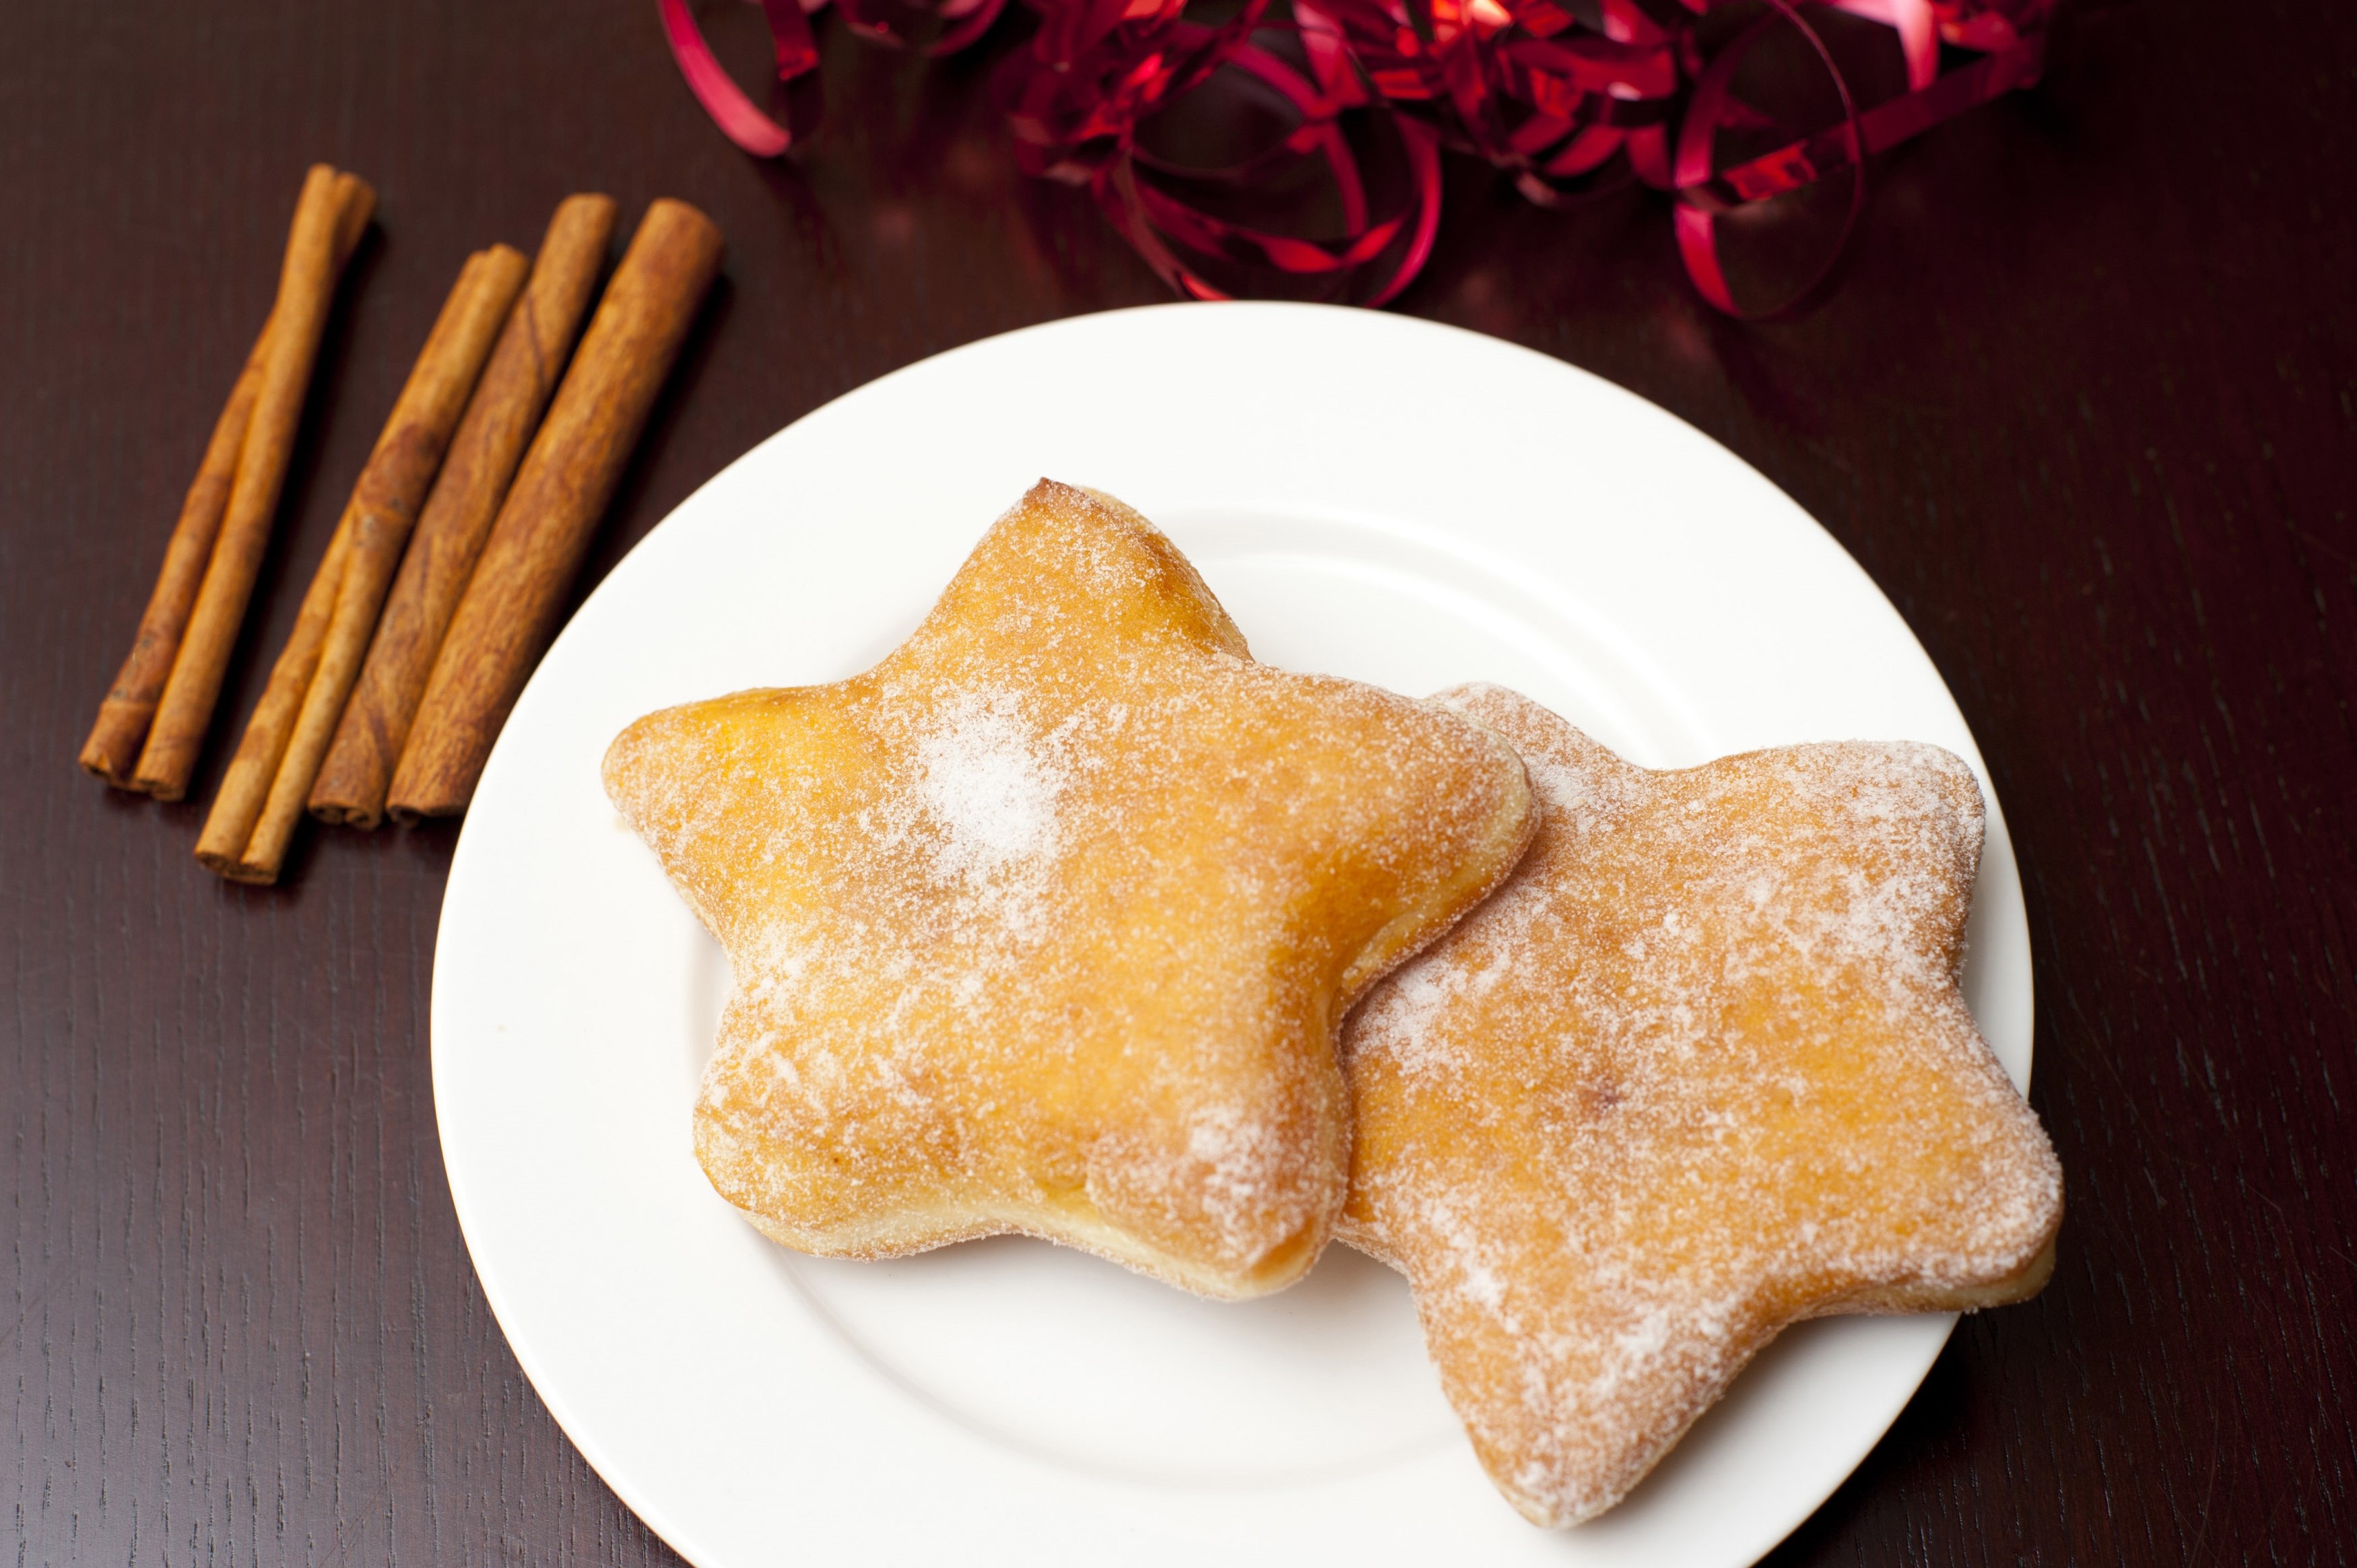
{"type": "Point", "coordinates": [1699, 1070]}
{"type": "Point", "coordinates": [1048, 923]}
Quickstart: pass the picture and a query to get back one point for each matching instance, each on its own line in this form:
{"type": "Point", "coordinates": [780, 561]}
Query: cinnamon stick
{"type": "Point", "coordinates": [252, 822]}
{"type": "Point", "coordinates": [245, 788]}
{"type": "Point", "coordinates": [500, 419]}
{"type": "Point", "coordinates": [510, 606]}
{"type": "Point", "coordinates": [307, 284]}
{"type": "Point", "coordinates": [124, 717]}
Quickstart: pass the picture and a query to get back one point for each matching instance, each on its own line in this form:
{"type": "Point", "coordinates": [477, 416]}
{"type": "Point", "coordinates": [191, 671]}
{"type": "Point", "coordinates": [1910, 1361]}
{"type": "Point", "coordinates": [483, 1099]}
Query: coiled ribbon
{"type": "Point", "coordinates": [1572, 97]}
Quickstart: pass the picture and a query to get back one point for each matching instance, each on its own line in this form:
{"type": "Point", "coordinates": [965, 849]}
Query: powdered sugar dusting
{"type": "Point", "coordinates": [983, 776]}
{"type": "Point", "coordinates": [1699, 1068]}
{"type": "Point", "coordinates": [987, 788]}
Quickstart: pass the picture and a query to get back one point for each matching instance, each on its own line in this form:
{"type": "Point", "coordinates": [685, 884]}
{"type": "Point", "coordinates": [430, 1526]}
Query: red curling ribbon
{"type": "Point", "coordinates": [1918, 31]}
{"type": "Point", "coordinates": [1571, 96]}
{"type": "Point", "coordinates": [1096, 68]}
{"type": "Point", "coordinates": [2014, 60]}
{"type": "Point", "coordinates": [897, 22]}
{"type": "Point", "coordinates": [1391, 250]}
{"type": "Point", "coordinates": [1786, 169]}
{"type": "Point", "coordinates": [730, 108]}
{"type": "Point", "coordinates": [1512, 82]}
{"type": "Point", "coordinates": [1078, 105]}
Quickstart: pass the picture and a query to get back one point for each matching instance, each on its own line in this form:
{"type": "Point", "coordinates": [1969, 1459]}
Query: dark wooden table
{"type": "Point", "coordinates": [2086, 406]}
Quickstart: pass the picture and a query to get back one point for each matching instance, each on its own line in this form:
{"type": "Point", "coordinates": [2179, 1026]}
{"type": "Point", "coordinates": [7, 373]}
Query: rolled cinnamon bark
{"type": "Point", "coordinates": [500, 419]}
{"type": "Point", "coordinates": [123, 718]}
{"type": "Point", "coordinates": [245, 788]}
{"type": "Point", "coordinates": [262, 796]}
{"type": "Point", "coordinates": [307, 284]}
{"type": "Point", "coordinates": [544, 531]}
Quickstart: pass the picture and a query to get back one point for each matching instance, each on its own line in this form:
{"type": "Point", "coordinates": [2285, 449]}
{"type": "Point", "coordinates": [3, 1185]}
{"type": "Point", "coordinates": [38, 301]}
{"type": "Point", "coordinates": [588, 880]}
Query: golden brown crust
{"type": "Point", "coordinates": [1698, 1070]}
{"type": "Point", "coordinates": [1046, 924]}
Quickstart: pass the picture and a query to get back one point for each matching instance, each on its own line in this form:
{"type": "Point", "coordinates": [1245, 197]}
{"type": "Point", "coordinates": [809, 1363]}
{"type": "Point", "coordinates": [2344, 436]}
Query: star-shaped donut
{"type": "Point", "coordinates": [1048, 923]}
{"type": "Point", "coordinates": [1699, 1070]}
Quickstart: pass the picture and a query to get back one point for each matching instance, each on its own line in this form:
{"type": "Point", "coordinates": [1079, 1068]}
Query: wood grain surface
{"type": "Point", "coordinates": [2086, 406]}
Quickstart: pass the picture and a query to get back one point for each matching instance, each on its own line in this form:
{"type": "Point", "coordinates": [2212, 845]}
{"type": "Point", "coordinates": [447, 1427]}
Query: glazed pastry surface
{"type": "Point", "coordinates": [1047, 923]}
{"type": "Point", "coordinates": [1699, 1070]}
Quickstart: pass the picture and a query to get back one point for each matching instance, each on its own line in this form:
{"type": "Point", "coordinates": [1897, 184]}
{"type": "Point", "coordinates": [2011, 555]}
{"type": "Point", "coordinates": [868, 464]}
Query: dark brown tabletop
{"type": "Point", "coordinates": [2084, 405]}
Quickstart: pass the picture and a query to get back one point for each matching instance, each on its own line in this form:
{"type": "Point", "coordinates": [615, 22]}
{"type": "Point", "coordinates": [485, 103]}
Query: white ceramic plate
{"type": "Point", "coordinates": [1370, 496]}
